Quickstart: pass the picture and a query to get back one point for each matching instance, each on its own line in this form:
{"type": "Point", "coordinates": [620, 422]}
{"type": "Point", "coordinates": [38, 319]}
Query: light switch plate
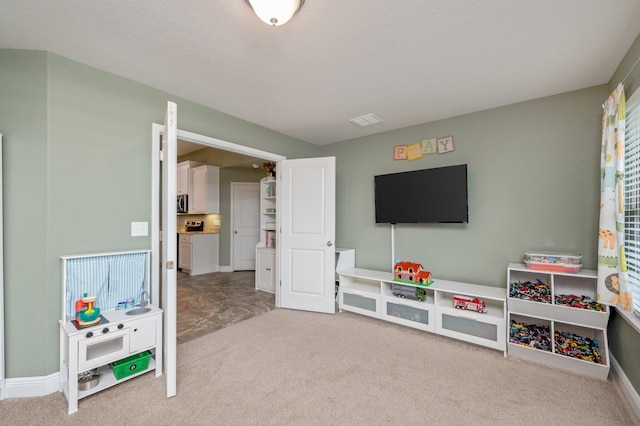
{"type": "Point", "coordinates": [139, 229]}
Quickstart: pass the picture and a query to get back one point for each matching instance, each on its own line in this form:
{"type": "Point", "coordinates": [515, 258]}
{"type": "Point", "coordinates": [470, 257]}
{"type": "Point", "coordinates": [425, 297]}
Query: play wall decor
{"type": "Point", "coordinates": [423, 147]}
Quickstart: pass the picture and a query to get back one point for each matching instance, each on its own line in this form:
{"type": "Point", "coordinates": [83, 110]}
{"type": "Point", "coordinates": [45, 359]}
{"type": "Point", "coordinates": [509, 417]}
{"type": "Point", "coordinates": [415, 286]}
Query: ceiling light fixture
{"type": "Point", "coordinates": [275, 12]}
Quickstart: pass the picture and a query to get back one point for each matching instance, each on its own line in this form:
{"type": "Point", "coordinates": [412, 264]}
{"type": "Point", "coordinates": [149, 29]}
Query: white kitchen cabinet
{"type": "Point", "coordinates": [185, 249]}
{"type": "Point", "coordinates": [266, 269]}
{"type": "Point", "coordinates": [184, 177]}
{"type": "Point", "coordinates": [198, 253]}
{"type": "Point", "coordinates": [96, 347]}
{"type": "Point", "coordinates": [206, 190]}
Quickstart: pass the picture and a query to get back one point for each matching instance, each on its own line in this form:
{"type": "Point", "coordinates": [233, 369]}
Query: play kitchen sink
{"type": "Point", "coordinates": [137, 311]}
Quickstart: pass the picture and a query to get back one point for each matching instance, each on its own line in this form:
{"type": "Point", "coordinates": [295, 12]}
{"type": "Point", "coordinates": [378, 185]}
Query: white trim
{"type": "Point", "coordinates": [228, 146]}
{"type": "Point", "coordinates": [227, 268]}
{"type": "Point", "coordinates": [625, 386]}
{"type": "Point", "coordinates": [25, 387]}
{"type": "Point", "coordinates": [107, 253]}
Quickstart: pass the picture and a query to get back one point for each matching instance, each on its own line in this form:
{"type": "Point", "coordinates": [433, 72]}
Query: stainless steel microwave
{"type": "Point", "coordinates": [183, 204]}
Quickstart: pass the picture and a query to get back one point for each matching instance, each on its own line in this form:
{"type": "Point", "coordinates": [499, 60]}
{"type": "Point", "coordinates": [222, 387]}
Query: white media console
{"type": "Point", "coordinates": [369, 292]}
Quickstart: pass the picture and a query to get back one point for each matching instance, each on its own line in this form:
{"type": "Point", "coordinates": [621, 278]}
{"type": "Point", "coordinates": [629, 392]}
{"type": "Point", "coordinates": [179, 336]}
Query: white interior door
{"type": "Point", "coordinates": [306, 215]}
{"type": "Point", "coordinates": [245, 224]}
{"type": "Point", "coordinates": [169, 242]}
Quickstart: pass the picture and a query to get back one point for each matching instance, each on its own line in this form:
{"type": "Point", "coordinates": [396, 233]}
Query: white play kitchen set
{"type": "Point", "coordinates": [109, 331]}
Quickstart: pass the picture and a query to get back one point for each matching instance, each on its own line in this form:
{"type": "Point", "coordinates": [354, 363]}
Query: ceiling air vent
{"type": "Point", "coordinates": [366, 120]}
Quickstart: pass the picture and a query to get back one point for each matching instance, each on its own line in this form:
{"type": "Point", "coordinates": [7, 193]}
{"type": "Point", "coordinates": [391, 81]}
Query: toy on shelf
{"type": "Point", "coordinates": [409, 292]}
{"type": "Point", "coordinates": [86, 313]}
{"type": "Point", "coordinates": [468, 304]}
{"type": "Point", "coordinates": [580, 302]}
{"type": "Point", "coordinates": [552, 261]}
{"type": "Point", "coordinates": [530, 335]}
{"type": "Point", "coordinates": [537, 292]}
{"type": "Point", "coordinates": [575, 346]}
{"type": "Point", "coordinates": [411, 273]}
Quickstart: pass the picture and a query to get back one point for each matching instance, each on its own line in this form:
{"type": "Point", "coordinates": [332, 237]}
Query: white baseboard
{"type": "Point", "coordinates": [23, 387]}
{"type": "Point", "coordinates": [227, 268]}
{"type": "Point", "coordinates": [625, 386]}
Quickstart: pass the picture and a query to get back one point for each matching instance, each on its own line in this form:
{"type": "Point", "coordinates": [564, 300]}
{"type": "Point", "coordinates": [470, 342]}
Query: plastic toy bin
{"type": "Point", "coordinates": [131, 365]}
{"type": "Point", "coordinates": [552, 261]}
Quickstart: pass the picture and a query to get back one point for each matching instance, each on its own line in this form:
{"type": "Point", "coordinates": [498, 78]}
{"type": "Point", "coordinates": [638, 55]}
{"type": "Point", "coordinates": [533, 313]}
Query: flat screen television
{"type": "Point", "coordinates": [437, 195]}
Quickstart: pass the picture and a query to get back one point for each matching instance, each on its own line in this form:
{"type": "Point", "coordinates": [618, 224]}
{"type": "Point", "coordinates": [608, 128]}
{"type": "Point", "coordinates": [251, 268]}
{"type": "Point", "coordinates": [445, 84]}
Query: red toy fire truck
{"type": "Point", "coordinates": [461, 302]}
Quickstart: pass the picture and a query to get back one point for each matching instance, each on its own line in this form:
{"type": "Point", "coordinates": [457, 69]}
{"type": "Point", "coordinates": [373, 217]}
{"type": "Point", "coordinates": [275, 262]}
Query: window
{"type": "Point", "coordinates": [632, 197]}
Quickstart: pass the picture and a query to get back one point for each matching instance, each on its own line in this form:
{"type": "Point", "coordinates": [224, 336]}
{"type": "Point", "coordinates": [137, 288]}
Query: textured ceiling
{"type": "Point", "coordinates": [407, 61]}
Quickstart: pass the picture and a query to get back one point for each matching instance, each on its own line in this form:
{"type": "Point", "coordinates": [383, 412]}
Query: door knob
{"type": "Point", "coordinates": [235, 232]}
{"type": "Point", "coordinates": [329, 243]}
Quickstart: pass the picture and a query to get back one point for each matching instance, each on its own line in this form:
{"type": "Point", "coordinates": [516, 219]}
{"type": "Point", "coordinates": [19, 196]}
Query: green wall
{"type": "Point", "coordinates": [28, 299]}
{"type": "Point", "coordinates": [533, 180]}
{"type": "Point", "coordinates": [77, 171]}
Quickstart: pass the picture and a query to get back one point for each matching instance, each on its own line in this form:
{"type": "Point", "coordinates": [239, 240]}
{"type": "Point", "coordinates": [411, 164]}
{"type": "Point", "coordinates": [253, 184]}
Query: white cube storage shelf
{"type": "Point", "coordinates": [369, 292]}
{"type": "Point", "coordinates": [561, 283]}
{"type": "Point", "coordinates": [581, 322]}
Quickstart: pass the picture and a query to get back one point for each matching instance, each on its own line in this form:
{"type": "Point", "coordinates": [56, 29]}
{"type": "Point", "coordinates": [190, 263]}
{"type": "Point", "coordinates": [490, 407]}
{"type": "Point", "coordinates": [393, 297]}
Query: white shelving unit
{"type": "Point", "coordinates": [345, 259]}
{"type": "Point", "coordinates": [558, 318]}
{"type": "Point", "coordinates": [265, 249]}
{"type": "Point", "coordinates": [369, 292]}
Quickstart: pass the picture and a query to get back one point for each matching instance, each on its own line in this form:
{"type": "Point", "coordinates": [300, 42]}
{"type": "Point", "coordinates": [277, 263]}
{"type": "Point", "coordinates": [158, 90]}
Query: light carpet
{"type": "Point", "coordinates": [299, 368]}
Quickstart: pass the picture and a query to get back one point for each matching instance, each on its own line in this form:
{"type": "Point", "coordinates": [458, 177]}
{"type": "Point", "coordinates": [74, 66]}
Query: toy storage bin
{"type": "Point", "coordinates": [553, 257]}
{"type": "Point", "coordinates": [553, 261]}
{"type": "Point", "coordinates": [533, 334]}
{"type": "Point", "coordinates": [131, 365]}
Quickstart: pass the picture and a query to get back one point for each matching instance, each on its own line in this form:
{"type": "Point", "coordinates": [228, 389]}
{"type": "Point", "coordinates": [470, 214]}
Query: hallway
{"type": "Point", "coordinates": [209, 302]}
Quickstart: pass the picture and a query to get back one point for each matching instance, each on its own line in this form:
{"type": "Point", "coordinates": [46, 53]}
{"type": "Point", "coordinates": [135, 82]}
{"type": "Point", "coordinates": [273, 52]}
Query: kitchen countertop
{"type": "Point", "coordinates": [207, 230]}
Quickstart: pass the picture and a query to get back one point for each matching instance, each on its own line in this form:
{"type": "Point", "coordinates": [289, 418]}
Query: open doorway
{"type": "Point", "coordinates": [211, 301]}
{"type": "Point", "coordinates": [163, 221]}
{"type": "Point", "coordinates": [237, 164]}
{"type": "Point", "coordinates": [306, 184]}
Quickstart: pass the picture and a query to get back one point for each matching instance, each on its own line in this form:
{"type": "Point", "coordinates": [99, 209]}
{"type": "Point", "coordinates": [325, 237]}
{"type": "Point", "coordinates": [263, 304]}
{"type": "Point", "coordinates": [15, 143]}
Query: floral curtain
{"type": "Point", "coordinates": [613, 284]}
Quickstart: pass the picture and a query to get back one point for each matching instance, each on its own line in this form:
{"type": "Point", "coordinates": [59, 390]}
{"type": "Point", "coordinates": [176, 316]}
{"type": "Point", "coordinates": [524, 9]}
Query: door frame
{"type": "Point", "coordinates": [156, 191]}
{"type": "Point", "coordinates": [234, 186]}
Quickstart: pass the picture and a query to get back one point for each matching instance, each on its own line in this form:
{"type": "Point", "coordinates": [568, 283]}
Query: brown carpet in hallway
{"type": "Point", "coordinates": [209, 302]}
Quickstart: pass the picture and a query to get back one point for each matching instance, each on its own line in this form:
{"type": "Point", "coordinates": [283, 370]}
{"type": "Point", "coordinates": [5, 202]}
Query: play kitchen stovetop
{"type": "Point", "coordinates": [193, 225]}
{"type": "Point", "coordinates": [79, 326]}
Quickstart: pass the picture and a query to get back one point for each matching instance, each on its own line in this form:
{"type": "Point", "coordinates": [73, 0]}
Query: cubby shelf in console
{"type": "Point", "coordinates": [544, 328]}
{"type": "Point", "coordinates": [370, 292]}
